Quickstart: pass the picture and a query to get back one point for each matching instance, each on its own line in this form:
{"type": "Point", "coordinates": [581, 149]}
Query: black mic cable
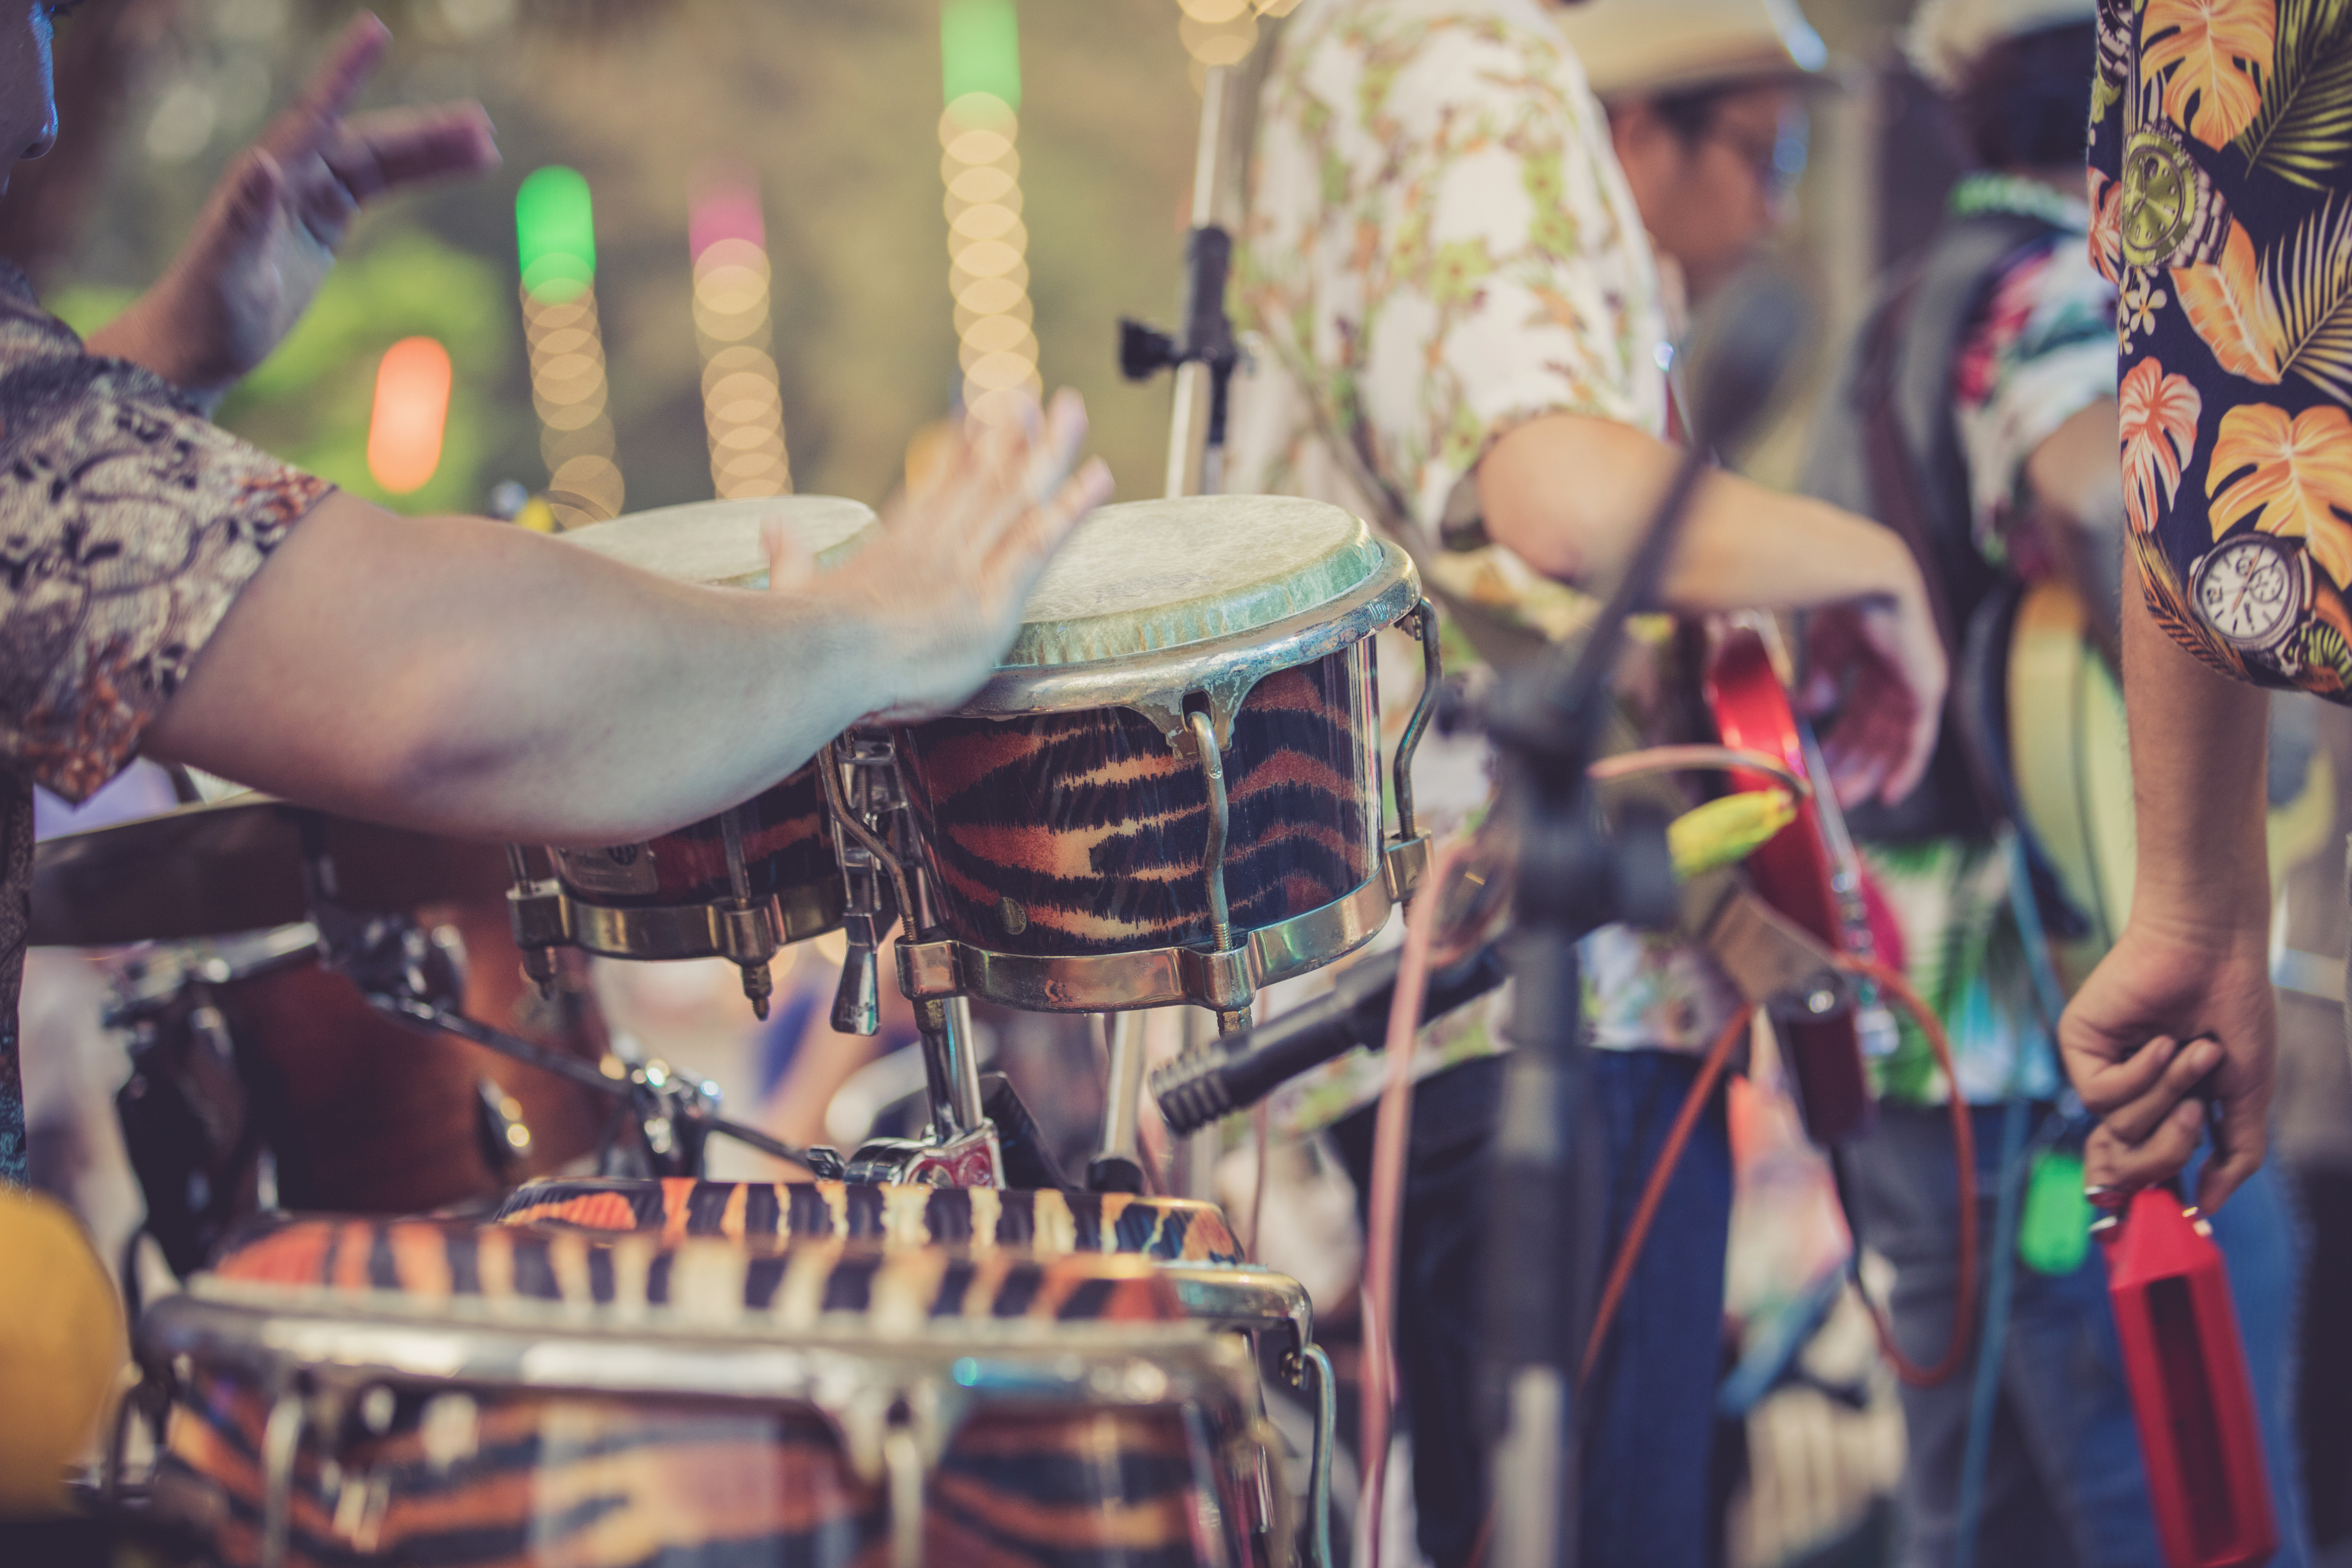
{"type": "Point", "coordinates": [1237, 1072]}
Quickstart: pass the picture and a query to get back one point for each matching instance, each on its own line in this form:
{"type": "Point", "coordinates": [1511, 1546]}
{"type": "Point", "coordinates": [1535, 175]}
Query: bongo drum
{"type": "Point", "coordinates": [1169, 792]}
{"type": "Point", "coordinates": [760, 875]}
{"type": "Point", "coordinates": [436, 1394]}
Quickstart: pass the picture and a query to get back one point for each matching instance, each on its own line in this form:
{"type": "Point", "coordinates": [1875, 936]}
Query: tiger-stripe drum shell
{"type": "Point", "coordinates": [1045, 1223]}
{"type": "Point", "coordinates": [465, 1397]}
{"type": "Point", "coordinates": [1079, 832]}
{"type": "Point", "coordinates": [1065, 810]}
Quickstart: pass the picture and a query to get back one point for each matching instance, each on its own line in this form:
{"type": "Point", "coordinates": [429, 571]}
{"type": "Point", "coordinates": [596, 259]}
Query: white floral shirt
{"type": "Point", "coordinates": [1439, 247]}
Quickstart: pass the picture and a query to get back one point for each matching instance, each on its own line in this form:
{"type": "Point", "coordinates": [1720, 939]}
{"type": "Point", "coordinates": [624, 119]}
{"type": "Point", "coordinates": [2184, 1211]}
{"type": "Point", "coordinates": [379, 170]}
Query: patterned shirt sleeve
{"type": "Point", "coordinates": [2040, 350]}
{"type": "Point", "coordinates": [128, 525]}
{"type": "Point", "coordinates": [1441, 244]}
{"type": "Point", "coordinates": [2221, 155]}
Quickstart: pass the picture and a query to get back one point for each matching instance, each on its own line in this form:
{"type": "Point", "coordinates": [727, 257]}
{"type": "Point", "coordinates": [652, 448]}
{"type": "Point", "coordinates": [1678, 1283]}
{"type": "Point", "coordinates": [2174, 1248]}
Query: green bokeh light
{"type": "Point", "coordinates": [980, 49]}
{"type": "Point", "coordinates": [555, 233]}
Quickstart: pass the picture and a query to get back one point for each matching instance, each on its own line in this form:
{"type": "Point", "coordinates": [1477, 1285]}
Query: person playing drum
{"type": "Point", "coordinates": [1462, 333]}
{"type": "Point", "coordinates": [168, 588]}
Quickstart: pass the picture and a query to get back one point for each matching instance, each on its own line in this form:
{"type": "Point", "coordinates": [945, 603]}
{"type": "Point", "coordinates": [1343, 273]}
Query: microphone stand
{"type": "Point", "coordinates": [1546, 1228]}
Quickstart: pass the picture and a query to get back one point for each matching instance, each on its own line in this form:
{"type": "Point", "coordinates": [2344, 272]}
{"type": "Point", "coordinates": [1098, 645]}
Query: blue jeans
{"type": "Point", "coordinates": [2063, 1482]}
{"type": "Point", "coordinates": [1650, 1411]}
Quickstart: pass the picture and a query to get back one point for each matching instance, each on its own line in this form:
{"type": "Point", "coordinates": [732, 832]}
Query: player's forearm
{"type": "Point", "coordinates": [474, 678]}
{"type": "Point", "coordinates": [1571, 494]}
{"type": "Point", "coordinates": [147, 334]}
{"type": "Point", "coordinates": [2198, 765]}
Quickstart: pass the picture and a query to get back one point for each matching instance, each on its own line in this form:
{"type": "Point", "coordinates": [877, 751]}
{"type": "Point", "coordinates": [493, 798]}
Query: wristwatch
{"type": "Point", "coordinates": [2253, 590]}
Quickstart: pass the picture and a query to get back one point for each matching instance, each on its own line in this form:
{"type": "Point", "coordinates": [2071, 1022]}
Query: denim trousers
{"type": "Point", "coordinates": [2063, 1482]}
{"type": "Point", "coordinates": [1649, 1412]}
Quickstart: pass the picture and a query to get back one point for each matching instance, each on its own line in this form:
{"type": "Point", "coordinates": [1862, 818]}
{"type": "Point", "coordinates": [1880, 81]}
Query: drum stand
{"type": "Point", "coordinates": [393, 962]}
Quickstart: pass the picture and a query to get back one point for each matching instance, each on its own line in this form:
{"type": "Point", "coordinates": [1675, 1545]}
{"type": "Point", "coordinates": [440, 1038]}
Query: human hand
{"type": "Point", "coordinates": [269, 235]}
{"type": "Point", "coordinates": [2176, 1011]}
{"type": "Point", "coordinates": [1881, 665]}
{"type": "Point", "coordinates": [946, 582]}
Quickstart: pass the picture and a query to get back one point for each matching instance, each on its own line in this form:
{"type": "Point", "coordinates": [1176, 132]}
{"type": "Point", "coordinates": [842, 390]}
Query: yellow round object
{"type": "Point", "coordinates": [61, 1348]}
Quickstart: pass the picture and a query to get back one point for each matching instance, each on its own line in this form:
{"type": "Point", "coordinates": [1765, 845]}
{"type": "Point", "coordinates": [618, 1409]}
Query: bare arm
{"type": "Point", "coordinates": [475, 679]}
{"type": "Point", "coordinates": [1570, 494]}
{"type": "Point", "coordinates": [2186, 990]}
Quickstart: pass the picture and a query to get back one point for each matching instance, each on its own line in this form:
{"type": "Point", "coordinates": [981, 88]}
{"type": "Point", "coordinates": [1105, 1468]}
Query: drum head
{"type": "Point", "coordinates": [1148, 576]}
{"type": "Point", "coordinates": [717, 543]}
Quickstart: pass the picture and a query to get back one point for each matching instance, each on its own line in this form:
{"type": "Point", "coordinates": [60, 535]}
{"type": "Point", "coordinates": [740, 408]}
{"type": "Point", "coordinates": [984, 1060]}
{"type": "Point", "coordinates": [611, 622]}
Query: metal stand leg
{"type": "Point", "coordinates": [1118, 1165]}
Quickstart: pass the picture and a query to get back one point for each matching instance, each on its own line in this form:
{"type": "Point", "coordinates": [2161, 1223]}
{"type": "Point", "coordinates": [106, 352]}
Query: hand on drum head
{"type": "Point", "coordinates": [1882, 666]}
{"type": "Point", "coordinates": [961, 551]}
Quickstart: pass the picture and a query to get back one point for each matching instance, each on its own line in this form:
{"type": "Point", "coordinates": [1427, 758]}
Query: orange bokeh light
{"type": "Point", "coordinates": [412, 411]}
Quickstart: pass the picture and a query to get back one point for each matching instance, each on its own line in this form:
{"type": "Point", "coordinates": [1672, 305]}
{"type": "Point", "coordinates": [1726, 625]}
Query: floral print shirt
{"type": "Point", "coordinates": [128, 525]}
{"type": "Point", "coordinates": [1439, 247]}
{"type": "Point", "coordinates": [2220, 160]}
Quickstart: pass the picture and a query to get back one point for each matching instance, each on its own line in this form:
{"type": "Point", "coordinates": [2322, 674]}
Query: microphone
{"type": "Point", "coordinates": [1239, 1070]}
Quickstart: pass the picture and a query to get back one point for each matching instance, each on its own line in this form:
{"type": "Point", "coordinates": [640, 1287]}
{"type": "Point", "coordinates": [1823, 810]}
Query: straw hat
{"type": "Point", "coordinates": [1946, 35]}
{"type": "Point", "coordinates": [1662, 45]}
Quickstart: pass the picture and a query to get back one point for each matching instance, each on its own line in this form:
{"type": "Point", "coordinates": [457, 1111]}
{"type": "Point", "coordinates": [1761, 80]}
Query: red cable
{"type": "Point", "coordinates": [1670, 1153]}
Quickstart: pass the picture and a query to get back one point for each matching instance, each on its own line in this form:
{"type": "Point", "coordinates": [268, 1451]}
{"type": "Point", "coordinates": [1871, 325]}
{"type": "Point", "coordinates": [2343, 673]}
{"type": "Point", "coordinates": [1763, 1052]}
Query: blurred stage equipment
{"type": "Point", "coordinates": [743, 405]}
{"type": "Point", "coordinates": [410, 416]}
{"type": "Point", "coordinates": [555, 236]}
{"type": "Point", "coordinates": [979, 55]}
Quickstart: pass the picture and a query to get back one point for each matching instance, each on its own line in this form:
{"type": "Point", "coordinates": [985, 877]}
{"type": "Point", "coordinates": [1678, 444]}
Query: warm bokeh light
{"type": "Point", "coordinates": [411, 412]}
{"type": "Point", "coordinates": [743, 405]}
{"type": "Point", "coordinates": [555, 239]}
{"type": "Point", "coordinates": [988, 245]}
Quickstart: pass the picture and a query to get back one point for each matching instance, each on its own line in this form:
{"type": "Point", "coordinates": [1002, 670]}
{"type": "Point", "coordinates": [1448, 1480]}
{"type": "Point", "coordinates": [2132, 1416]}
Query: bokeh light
{"type": "Point", "coordinates": [743, 405]}
{"type": "Point", "coordinates": [555, 239]}
{"type": "Point", "coordinates": [988, 245]}
{"type": "Point", "coordinates": [410, 416]}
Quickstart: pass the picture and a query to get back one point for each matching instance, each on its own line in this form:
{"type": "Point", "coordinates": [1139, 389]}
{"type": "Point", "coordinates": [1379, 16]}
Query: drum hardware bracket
{"type": "Point", "coordinates": [759, 979]}
{"type": "Point", "coordinates": [1232, 1019]}
{"type": "Point", "coordinates": [1326, 1394]}
{"type": "Point", "coordinates": [545, 917]}
{"type": "Point", "coordinates": [871, 910]}
{"type": "Point", "coordinates": [687, 1109]}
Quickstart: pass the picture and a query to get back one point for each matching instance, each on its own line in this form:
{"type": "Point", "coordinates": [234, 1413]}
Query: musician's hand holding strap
{"type": "Point", "coordinates": [269, 232]}
{"type": "Point", "coordinates": [2192, 964]}
{"type": "Point", "coordinates": [1569, 493]}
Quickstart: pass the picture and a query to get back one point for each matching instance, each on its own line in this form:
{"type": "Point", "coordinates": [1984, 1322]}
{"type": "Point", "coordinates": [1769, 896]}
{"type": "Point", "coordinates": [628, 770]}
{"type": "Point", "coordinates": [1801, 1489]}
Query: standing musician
{"type": "Point", "coordinates": [1453, 261]}
{"type": "Point", "coordinates": [1978, 414]}
{"type": "Point", "coordinates": [169, 588]}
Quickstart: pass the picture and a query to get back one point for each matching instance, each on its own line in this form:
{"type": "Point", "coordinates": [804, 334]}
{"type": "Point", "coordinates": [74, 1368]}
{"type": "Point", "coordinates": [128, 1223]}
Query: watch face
{"type": "Point", "coordinates": [2246, 590]}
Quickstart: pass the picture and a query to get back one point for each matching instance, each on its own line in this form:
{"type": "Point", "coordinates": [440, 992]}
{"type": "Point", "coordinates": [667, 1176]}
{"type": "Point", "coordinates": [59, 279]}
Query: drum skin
{"type": "Point", "coordinates": [1077, 833]}
{"type": "Point", "coordinates": [787, 843]}
{"type": "Point", "coordinates": [1046, 1222]}
{"type": "Point", "coordinates": [560, 1481]}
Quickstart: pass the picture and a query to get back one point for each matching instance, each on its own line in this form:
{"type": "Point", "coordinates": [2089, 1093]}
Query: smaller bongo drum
{"type": "Point", "coordinates": [1170, 790]}
{"type": "Point", "coordinates": [758, 876]}
{"type": "Point", "coordinates": [438, 1395]}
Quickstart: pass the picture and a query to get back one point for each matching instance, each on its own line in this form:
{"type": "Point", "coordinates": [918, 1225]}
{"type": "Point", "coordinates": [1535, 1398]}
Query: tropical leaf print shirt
{"type": "Point", "coordinates": [128, 525]}
{"type": "Point", "coordinates": [1439, 247]}
{"type": "Point", "coordinates": [2220, 182]}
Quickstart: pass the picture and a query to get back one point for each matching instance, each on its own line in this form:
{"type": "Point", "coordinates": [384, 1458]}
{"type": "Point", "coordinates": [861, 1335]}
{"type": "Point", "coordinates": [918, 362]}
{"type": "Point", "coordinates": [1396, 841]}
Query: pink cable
{"type": "Point", "coordinates": [1392, 1134]}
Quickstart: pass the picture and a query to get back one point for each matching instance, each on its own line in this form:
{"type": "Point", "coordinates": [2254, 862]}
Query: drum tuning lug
{"type": "Point", "coordinates": [759, 984]}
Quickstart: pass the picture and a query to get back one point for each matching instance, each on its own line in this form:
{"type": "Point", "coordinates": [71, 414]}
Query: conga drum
{"type": "Point", "coordinates": [1169, 792]}
{"type": "Point", "coordinates": [760, 875]}
{"type": "Point", "coordinates": [439, 1396]}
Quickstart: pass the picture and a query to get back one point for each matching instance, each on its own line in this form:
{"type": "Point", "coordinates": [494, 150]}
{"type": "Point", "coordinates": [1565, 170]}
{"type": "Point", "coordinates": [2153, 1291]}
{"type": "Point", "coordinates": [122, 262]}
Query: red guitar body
{"type": "Point", "coordinates": [1806, 871]}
